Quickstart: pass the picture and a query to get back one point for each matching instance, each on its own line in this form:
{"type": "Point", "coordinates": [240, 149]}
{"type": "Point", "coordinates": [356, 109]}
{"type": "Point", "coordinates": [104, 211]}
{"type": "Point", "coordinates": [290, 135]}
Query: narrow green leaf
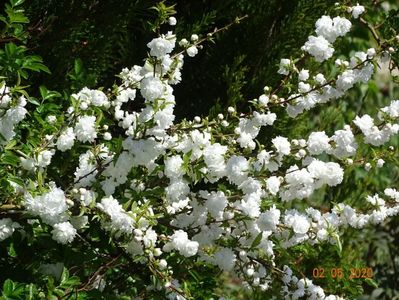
{"type": "Point", "coordinates": [257, 240]}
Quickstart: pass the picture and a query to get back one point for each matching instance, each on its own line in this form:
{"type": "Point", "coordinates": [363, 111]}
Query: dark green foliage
{"type": "Point", "coordinates": [110, 35]}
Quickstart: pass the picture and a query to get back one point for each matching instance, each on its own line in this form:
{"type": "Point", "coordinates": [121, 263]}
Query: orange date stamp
{"type": "Point", "coordinates": [339, 273]}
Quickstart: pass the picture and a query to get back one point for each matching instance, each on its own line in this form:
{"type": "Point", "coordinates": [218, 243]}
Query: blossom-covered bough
{"type": "Point", "coordinates": [206, 190]}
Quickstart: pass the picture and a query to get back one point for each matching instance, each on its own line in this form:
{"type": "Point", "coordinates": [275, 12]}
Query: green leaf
{"type": "Point", "coordinates": [16, 2]}
{"type": "Point", "coordinates": [64, 276]}
{"type": "Point", "coordinates": [339, 244]}
{"type": "Point", "coordinates": [11, 250]}
{"type": "Point", "coordinates": [371, 282]}
{"type": "Point", "coordinates": [33, 101]}
{"type": "Point", "coordinates": [78, 66]}
{"type": "Point", "coordinates": [8, 287]}
{"type": "Point", "coordinates": [46, 94]}
{"type": "Point", "coordinates": [257, 240]}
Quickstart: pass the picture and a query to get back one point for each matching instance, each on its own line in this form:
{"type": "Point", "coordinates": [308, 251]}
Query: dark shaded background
{"type": "Point", "coordinates": [110, 35]}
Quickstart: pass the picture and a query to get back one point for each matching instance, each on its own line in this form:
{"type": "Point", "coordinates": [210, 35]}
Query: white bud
{"type": "Point", "coordinates": [138, 232]}
{"type": "Point", "coordinates": [70, 110]}
{"type": "Point", "coordinates": [51, 119]}
{"type": "Point", "coordinates": [194, 37]}
{"type": "Point", "coordinates": [107, 136]}
{"type": "Point", "coordinates": [380, 163]}
{"type": "Point", "coordinates": [220, 116]}
{"type": "Point", "coordinates": [231, 109]}
{"type": "Point", "coordinates": [157, 252]}
{"type": "Point", "coordinates": [162, 265]}
{"type": "Point", "coordinates": [172, 21]}
{"type": "Point", "coordinates": [183, 42]}
{"type": "Point", "coordinates": [243, 254]}
{"type": "Point", "coordinates": [371, 52]}
{"type": "Point", "coordinates": [263, 100]}
{"type": "Point", "coordinates": [302, 143]}
{"type": "Point", "coordinates": [250, 271]}
{"type": "Point", "coordinates": [302, 153]}
{"type": "Point", "coordinates": [197, 119]}
{"type": "Point", "coordinates": [83, 105]}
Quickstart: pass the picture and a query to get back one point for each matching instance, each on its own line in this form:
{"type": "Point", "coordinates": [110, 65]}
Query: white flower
{"type": "Point", "coordinates": [98, 98]}
{"type": "Point", "coordinates": [27, 163]}
{"type": "Point", "coordinates": [263, 100]}
{"type": "Point", "coordinates": [174, 167]}
{"type": "Point", "coordinates": [299, 223]}
{"type": "Point", "coordinates": [324, 27]}
{"type": "Point", "coordinates": [273, 184]}
{"type": "Point", "coordinates": [345, 143]}
{"type": "Point", "coordinates": [88, 97]}
{"type": "Point", "coordinates": [318, 142]}
{"type": "Point", "coordinates": [151, 88]}
{"type": "Point", "coordinates": [134, 248]}
{"type": "Point", "coordinates": [66, 139]}
{"type": "Point", "coordinates": [7, 228]}
{"type": "Point", "coordinates": [282, 145]}
{"type": "Point", "coordinates": [284, 66]}
{"type": "Point", "coordinates": [320, 78]}
{"type": "Point", "coordinates": [161, 46]}
{"type": "Point", "coordinates": [329, 173]}
{"type": "Point", "coordinates": [85, 129]}
{"type": "Point", "coordinates": [237, 169]}
{"type": "Point", "coordinates": [330, 29]}
{"type": "Point", "coordinates": [357, 10]}
{"type": "Point", "coordinates": [50, 207]}
{"type": "Point", "coordinates": [216, 202]}
{"type": "Point", "coordinates": [341, 26]}
{"type": "Point", "coordinates": [392, 110]}
{"type": "Point", "coordinates": [225, 259]}
{"type": "Point", "coordinates": [51, 119]}
{"type": "Point", "coordinates": [318, 47]}
{"type": "Point", "coordinates": [179, 241]}
{"type": "Point", "coordinates": [268, 220]}
{"type": "Point", "coordinates": [120, 220]}
{"type": "Point", "coordinates": [63, 233]}
{"type": "Point", "coordinates": [192, 51]}
{"type": "Point", "coordinates": [303, 75]}
{"type": "Point", "coordinates": [44, 158]}
{"type": "Point", "coordinates": [346, 80]}
{"type": "Point", "coordinates": [150, 238]}
{"type": "Point", "coordinates": [184, 42]}
{"type": "Point", "coordinates": [214, 159]}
